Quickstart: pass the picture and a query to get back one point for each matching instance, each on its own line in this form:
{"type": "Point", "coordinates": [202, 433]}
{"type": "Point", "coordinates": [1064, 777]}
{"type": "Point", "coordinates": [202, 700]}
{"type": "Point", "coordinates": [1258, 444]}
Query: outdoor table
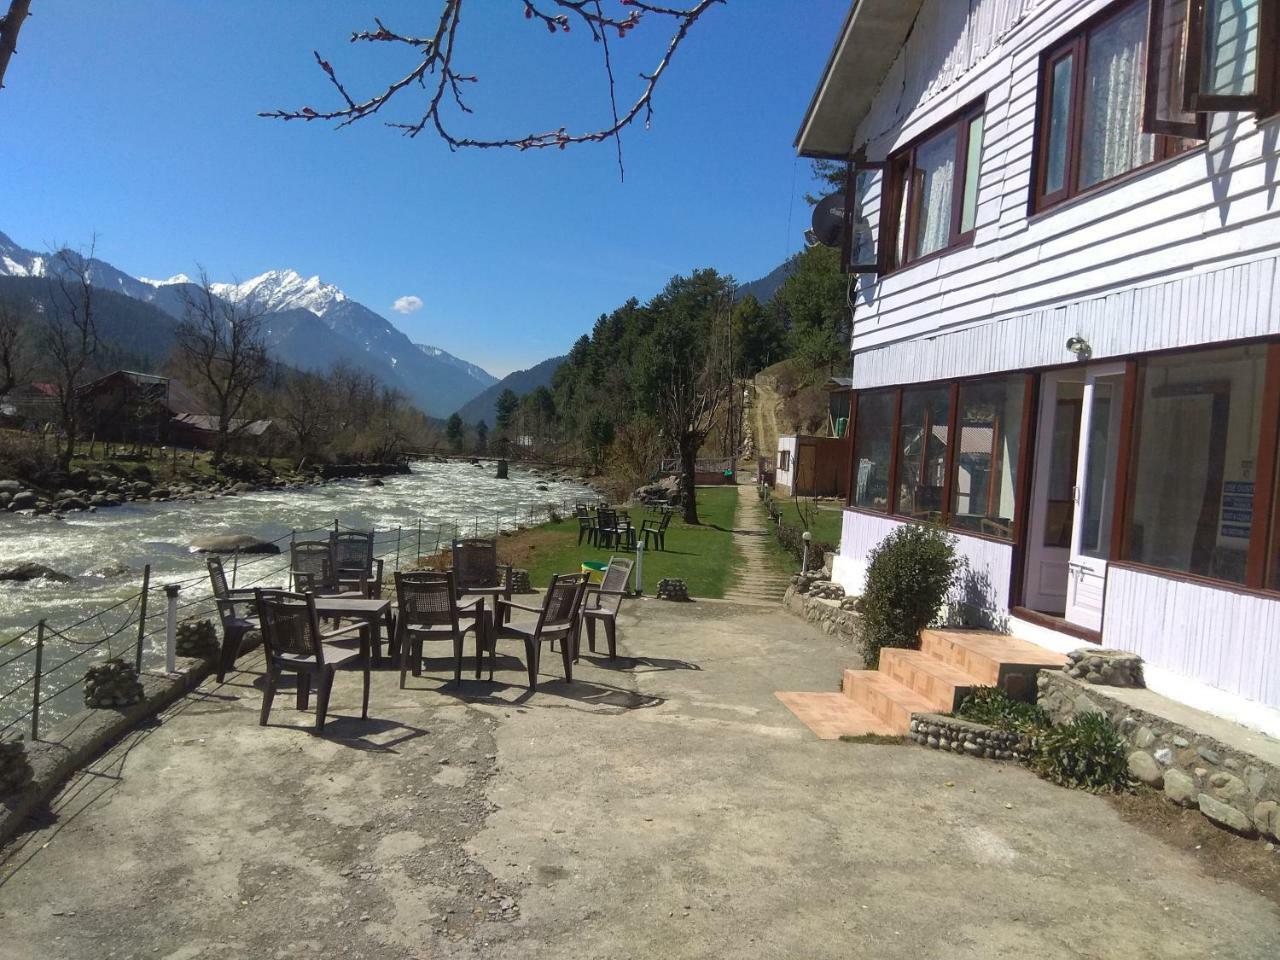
{"type": "Point", "coordinates": [372, 612]}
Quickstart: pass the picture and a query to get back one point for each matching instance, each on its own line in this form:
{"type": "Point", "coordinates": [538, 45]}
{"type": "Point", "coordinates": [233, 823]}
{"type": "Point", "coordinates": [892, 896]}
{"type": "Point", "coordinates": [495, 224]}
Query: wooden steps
{"type": "Point", "coordinates": [933, 679]}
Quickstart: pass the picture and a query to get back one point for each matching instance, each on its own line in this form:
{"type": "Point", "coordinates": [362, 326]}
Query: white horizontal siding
{"type": "Point", "coordinates": [1226, 639]}
{"type": "Point", "coordinates": [1232, 303]}
{"type": "Point", "coordinates": [1192, 221]}
{"type": "Point", "coordinates": [984, 584]}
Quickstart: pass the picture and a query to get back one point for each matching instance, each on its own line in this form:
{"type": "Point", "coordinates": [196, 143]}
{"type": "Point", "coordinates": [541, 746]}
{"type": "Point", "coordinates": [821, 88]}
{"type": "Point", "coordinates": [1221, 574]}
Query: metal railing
{"type": "Point", "coordinates": [49, 662]}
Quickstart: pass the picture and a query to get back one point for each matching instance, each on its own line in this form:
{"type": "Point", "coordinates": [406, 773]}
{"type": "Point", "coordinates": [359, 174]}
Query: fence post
{"type": "Point", "coordinates": [171, 627]}
{"type": "Point", "coordinates": [398, 548]}
{"type": "Point", "coordinates": [35, 696]}
{"type": "Point", "coordinates": [142, 617]}
{"type": "Point", "coordinates": [639, 568]}
{"type": "Point", "coordinates": [235, 566]}
{"type": "Point", "coordinates": [419, 537]}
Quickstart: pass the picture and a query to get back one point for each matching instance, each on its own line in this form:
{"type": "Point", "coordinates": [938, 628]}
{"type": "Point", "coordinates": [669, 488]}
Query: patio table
{"type": "Point", "coordinates": [375, 613]}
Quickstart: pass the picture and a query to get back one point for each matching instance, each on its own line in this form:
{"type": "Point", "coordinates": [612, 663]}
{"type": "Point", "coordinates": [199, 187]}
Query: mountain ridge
{"type": "Point", "coordinates": [438, 383]}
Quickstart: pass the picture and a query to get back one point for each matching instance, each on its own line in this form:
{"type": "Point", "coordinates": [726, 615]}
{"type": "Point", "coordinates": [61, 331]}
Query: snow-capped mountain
{"type": "Point", "coordinates": [479, 374]}
{"type": "Point", "coordinates": [437, 382]}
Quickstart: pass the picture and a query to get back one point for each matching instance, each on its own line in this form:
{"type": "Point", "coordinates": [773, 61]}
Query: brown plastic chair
{"type": "Point", "coordinates": [428, 609]}
{"type": "Point", "coordinates": [312, 570]}
{"type": "Point", "coordinates": [556, 619]}
{"type": "Point", "coordinates": [295, 643]}
{"type": "Point", "coordinates": [601, 603]}
{"type": "Point", "coordinates": [237, 612]}
{"type": "Point", "coordinates": [354, 562]}
{"type": "Point", "coordinates": [476, 571]}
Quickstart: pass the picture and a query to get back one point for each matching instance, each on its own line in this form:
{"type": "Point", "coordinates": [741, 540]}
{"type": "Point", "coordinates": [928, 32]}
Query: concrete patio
{"type": "Point", "coordinates": [667, 805]}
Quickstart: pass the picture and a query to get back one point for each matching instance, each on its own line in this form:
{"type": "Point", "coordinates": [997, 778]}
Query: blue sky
{"type": "Point", "coordinates": [137, 119]}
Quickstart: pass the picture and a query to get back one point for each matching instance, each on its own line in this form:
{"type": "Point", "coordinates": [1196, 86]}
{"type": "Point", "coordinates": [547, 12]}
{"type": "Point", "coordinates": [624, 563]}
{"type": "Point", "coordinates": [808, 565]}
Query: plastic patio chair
{"type": "Point", "coordinates": [428, 609]}
{"type": "Point", "coordinates": [236, 611]}
{"type": "Point", "coordinates": [601, 603]}
{"type": "Point", "coordinates": [353, 559]}
{"type": "Point", "coordinates": [556, 619]}
{"type": "Point", "coordinates": [295, 643]}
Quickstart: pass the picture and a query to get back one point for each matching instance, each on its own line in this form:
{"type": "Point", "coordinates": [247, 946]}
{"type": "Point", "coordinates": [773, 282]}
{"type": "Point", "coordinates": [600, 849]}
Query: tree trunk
{"type": "Point", "coordinates": [688, 493]}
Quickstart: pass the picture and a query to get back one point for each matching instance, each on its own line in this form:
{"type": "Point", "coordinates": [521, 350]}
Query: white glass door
{"type": "Point", "coordinates": [1094, 494]}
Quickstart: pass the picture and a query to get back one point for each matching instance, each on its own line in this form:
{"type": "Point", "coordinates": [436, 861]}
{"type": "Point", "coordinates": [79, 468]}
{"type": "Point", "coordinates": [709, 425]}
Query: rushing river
{"type": "Point", "coordinates": [105, 552]}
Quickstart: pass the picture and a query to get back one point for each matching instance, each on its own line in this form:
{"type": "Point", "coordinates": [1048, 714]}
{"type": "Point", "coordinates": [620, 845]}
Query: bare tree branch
{"type": "Point", "coordinates": [435, 72]}
{"type": "Point", "coordinates": [10, 24]}
{"type": "Point", "coordinates": [70, 337]}
{"type": "Point", "coordinates": [15, 355]}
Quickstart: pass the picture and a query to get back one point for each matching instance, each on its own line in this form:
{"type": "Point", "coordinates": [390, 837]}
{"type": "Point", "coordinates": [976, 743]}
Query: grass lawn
{"type": "Point", "coordinates": [826, 526]}
{"type": "Point", "coordinates": [703, 556]}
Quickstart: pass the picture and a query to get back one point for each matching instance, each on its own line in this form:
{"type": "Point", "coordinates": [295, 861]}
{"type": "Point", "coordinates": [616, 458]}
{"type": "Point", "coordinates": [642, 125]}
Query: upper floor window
{"type": "Point", "coordinates": [931, 191]}
{"type": "Point", "coordinates": [1208, 56]}
{"type": "Point", "coordinates": [1092, 91]}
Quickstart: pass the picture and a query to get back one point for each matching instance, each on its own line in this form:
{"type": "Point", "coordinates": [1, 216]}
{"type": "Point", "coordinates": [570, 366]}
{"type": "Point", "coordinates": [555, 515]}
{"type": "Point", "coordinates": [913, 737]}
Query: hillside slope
{"type": "Point", "coordinates": [520, 382]}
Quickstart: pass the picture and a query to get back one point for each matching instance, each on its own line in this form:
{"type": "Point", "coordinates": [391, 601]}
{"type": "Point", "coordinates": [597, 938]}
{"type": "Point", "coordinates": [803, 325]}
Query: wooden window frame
{"type": "Point", "coordinates": [1151, 123]}
{"type": "Point", "coordinates": [851, 207]}
{"type": "Point", "coordinates": [1076, 45]}
{"type": "Point", "coordinates": [903, 162]}
{"type": "Point", "coordinates": [1267, 98]}
{"type": "Point", "coordinates": [1263, 555]}
{"type": "Point", "coordinates": [1026, 427]}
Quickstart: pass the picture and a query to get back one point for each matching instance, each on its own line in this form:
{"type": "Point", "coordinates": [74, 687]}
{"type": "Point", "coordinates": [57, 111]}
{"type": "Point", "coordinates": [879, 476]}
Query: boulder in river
{"type": "Point", "coordinates": [371, 482]}
{"type": "Point", "coordinates": [502, 470]}
{"type": "Point", "coordinates": [23, 500]}
{"type": "Point", "coordinates": [24, 572]}
{"type": "Point", "coordinates": [10, 486]}
{"type": "Point", "coordinates": [231, 542]}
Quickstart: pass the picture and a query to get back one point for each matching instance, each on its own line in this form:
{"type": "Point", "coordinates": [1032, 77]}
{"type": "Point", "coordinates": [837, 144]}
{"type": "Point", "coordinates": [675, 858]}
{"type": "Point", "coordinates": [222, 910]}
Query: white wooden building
{"type": "Point", "coordinates": [1066, 337]}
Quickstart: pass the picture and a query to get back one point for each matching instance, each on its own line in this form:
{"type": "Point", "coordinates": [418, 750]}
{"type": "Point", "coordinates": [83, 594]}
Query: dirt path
{"type": "Point", "coordinates": [664, 805]}
{"type": "Point", "coordinates": [758, 579]}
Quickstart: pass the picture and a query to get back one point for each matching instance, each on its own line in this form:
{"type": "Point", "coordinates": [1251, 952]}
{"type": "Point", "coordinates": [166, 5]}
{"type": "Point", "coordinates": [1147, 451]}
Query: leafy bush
{"type": "Point", "coordinates": [908, 576]}
{"type": "Point", "coordinates": [995, 708]}
{"type": "Point", "coordinates": [1085, 752]}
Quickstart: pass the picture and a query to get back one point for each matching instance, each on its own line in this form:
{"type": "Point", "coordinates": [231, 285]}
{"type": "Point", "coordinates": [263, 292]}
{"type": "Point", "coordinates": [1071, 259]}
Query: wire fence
{"type": "Point", "coordinates": [42, 668]}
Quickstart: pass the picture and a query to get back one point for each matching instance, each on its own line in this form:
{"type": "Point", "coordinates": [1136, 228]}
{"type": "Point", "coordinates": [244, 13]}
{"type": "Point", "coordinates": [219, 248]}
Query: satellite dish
{"type": "Point", "coordinates": [828, 220]}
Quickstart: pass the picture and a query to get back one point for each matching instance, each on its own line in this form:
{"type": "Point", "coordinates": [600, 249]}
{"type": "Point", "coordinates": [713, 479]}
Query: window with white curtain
{"type": "Point", "coordinates": [1093, 91]}
{"type": "Point", "coordinates": [931, 199]}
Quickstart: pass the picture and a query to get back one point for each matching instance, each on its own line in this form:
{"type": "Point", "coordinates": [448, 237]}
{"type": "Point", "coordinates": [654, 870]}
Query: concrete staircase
{"type": "Point", "coordinates": [933, 679]}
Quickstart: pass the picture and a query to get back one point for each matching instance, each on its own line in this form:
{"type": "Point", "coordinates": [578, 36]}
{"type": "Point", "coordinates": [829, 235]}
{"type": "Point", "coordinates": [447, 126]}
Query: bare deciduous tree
{"type": "Point", "coordinates": [221, 341]}
{"type": "Point", "coordinates": [15, 355]}
{"type": "Point", "coordinates": [306, 407]}
{"type": "Point", "coordinates": [70, 338]}
{"type": "Point", "coordinates": [442, 84]}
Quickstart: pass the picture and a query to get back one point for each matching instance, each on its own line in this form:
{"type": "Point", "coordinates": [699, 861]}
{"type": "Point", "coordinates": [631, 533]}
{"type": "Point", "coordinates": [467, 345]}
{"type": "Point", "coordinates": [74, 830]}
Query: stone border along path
{"type": "Point", "coordinates": [756, 581]}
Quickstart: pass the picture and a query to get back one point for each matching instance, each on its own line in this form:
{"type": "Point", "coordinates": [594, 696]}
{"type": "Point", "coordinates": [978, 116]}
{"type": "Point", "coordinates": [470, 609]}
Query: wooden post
{"type": "Point", "coordinates": [142, 617]}
{"type": "Point", "coordinates": [35, 695]}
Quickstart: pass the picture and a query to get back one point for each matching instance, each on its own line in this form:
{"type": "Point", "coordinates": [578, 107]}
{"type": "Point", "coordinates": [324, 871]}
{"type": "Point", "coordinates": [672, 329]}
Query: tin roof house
{"type": "Point", "coordinates": [1066, 331]}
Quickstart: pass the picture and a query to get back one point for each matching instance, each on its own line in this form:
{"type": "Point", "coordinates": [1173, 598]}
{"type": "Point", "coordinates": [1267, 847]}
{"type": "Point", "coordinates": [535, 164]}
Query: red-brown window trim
{"type": "Point", "coordinates": [1076, 46]}
{"type": "Point", "coordinates": [1267, 99]}
{"type": "Point", "coordinates": [891, 190]}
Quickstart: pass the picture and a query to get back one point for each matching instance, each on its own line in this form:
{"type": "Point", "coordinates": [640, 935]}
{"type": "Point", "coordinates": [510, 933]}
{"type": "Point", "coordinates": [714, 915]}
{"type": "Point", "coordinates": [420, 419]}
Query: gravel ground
{"type": "Point", "coordinates": [664, 805]}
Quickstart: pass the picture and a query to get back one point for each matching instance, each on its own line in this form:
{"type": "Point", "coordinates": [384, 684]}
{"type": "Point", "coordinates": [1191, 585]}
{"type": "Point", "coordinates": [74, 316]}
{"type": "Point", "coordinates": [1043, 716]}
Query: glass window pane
{"type": "Point", "coordinates": [972, 167]}
{"type": "Point", "coordinates": [935, 177]}
{"type": "Point", "coordinates": [1275, 535]}
{"type": "Point", "coordinates": [1100, 466]}
{"type": "Point", "coordinates": [922, 452]}
{"type": "Point", "coordinates": [1112, 141]}
{"type": "Point", "coordinates": [1171, 61]}
{"type": "Point", "coordinates": [1055, 177]}
{"type": "Point", "coordinates": [900, 246]}
{"type": "Point", "coordinates": [1195, 449]}
{"type": "Point", "coordinates": [985, 481]}
{"type": "Point", "coordinates": [872, 448]}
{"type": "Point", "coordinates": [1060, 511]}
{"type": "Point", "coordinates": [1230, 48]}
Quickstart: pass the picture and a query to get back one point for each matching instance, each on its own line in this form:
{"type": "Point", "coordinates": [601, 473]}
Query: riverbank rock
{"type": "Point", "coordinates": [24, 572]}
{"type": "Point", "coordinates": [196, 638]}
{"type": "Point", "coordinates": [664, 490]}
{"type": "Point", "coordinates": [231, 543]}
{"type": "Point", "coordinates": [15, 768]}
{"type": "Point", "coordinates": [23, 500]}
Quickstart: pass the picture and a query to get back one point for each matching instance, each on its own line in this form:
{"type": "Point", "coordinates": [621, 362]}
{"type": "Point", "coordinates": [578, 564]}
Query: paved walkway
{"type": "Point", "coordinates": [663, 805]}
{"type": "Point", "coordinates": [758, 580]}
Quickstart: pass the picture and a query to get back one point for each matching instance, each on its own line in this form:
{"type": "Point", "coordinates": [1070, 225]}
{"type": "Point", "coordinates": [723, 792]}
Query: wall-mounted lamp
{"type": "Point", "coordinates": [1080, 347]}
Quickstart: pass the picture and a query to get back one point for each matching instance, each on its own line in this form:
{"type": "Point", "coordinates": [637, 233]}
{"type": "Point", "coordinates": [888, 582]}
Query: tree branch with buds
{"type": "Point", "coordinates": [436, 76]}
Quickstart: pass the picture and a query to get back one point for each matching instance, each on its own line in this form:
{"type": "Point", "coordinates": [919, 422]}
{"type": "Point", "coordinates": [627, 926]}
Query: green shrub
{"type": "Point", "coordinates": [908, 576]}
{"type": "Point", "coordinates": [995, 708]}
{"type": "Point", "coordinates": [1085, 752]}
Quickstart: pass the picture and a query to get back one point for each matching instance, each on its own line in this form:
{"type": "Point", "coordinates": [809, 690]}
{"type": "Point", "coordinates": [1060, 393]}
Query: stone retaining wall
{"type": "Point", "coordinates": [829, 616]}
{"type": "Point", "coordinates": [1234, 789]}
{"type": "Point", "coordinates": [940, 732]}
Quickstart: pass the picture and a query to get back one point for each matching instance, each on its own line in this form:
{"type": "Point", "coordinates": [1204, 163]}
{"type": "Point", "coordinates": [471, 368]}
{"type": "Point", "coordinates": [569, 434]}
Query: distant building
{"type": "Point", "coordinates": [818, 466]}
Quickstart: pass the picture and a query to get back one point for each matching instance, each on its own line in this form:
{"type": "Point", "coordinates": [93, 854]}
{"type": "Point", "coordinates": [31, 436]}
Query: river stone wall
{"type": "Point", "coordinates": [1231, 787]}
{"type": "Point", "coordinates": [835, 618]}
{"type": "Point", "coordinates": [940, 732]}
